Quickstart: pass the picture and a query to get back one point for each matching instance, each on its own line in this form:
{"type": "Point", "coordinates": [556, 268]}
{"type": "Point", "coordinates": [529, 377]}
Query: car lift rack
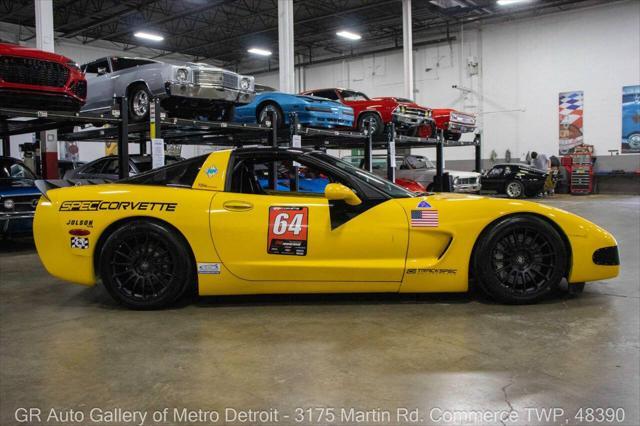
{"type": "Point", "coordinates": [116, 127]}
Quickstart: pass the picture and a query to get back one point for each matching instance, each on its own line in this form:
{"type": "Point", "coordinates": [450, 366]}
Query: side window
{"type": "Point", "coordinates": [327, 94]}
{"type": "Point", "coordinates": [97, 67]}
{"type": "Point", "coordinates": [255, 177]}
{"type": "Point", "coordinates": [94, 168]}
{"type": "Point", "coordinates": [496, 172]}
{"type": "Point", "coordinates": [111, 168]}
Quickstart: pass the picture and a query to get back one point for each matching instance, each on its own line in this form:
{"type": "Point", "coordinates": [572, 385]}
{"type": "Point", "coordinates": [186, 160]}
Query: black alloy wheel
{"type": "Point", "coordinates": [521, 259]}
{"type": "Point", "coordinates": [145, 265]}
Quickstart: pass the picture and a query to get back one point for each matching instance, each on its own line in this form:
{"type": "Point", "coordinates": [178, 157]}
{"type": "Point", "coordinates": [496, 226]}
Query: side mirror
{"type": "Point", "coordinates": [102, 70]}
{"type": "Point", "coordinates": [337, 191]}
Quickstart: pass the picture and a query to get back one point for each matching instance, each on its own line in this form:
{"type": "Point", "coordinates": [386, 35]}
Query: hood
{"type": "Point", "coordinates": [456, 173]}
{"type": "Point", "coordinates": [17, 187]}
{"type": "Point", "coordinates": [28, 52]}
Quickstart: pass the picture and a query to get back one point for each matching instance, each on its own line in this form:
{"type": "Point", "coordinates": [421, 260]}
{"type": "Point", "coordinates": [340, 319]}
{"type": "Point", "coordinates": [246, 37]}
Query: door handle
{"type": "Point", "coordinates": [237, 206]}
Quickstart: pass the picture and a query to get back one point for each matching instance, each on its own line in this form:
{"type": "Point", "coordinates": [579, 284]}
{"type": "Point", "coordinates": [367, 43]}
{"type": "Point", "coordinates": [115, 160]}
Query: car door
{"type": "Point", "coordinates": [494, 179]}
{"type": "Point", "coordinates": [293, 233]}
{"type": "Point", "coordinates": [100, 87]}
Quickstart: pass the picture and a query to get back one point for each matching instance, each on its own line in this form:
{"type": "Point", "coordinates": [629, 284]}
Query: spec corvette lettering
{"type": "Point", "coordinates": [97, 205]}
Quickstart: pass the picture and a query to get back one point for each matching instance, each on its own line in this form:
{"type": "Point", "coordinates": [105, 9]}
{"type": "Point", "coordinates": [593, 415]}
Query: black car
{"type": "Point", "coordinates": [18, 197]}
{"type": "Point", "coordinates": [514, 180]}
{"type": "Point", "coordinates": [107, 168]}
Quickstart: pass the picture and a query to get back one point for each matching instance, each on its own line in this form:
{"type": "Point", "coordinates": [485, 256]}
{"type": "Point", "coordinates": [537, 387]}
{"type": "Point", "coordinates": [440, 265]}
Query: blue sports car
{"type": "Point", "coordinates": [18, 197]}
{"type": "Point", "coordinates": [311, 110]}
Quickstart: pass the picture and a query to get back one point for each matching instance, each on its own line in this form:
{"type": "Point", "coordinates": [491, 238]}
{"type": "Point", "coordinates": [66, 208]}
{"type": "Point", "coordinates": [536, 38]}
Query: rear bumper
{"type": "Point", "coordinates": [324, 119]}
{"type": "Point", "coordinates": [214, 93]}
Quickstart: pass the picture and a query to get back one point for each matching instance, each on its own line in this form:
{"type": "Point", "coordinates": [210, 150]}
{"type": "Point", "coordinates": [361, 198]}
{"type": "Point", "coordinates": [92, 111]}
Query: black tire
{"type": "Point", "coordinates": [430, 187]}
{"type": "Point", "coordinates": [263, 117]}
{"type": "Point", "coordinates": [519, 260]}
{"type": "Point", "coordinates": [377, 124]}
{"type": "Point", "coordinates": [224, 113]}
{"type": "Point", "coordinates": [514, 189]}
{"type": "Point", "coordinates": [139, 103]}
{"type": "Point", "coordinates": [452, 136]}
{"type": "Point", "coordinates": [146, 265]}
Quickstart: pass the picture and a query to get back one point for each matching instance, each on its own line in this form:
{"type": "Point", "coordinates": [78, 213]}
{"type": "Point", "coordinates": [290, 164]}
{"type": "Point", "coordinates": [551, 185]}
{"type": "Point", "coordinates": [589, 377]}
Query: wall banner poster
{"type": "Point", "coordinates": [571, 110]}
{"type": "Point", "coordinates": [631, 119]}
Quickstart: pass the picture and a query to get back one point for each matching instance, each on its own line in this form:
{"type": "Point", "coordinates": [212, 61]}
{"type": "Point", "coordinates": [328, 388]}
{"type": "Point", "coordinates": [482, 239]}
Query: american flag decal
{"type": "Point", "coordinates": [424, 218]}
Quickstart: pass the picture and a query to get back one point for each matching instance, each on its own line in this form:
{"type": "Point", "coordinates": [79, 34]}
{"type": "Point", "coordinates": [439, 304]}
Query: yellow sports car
{"type": "Point", "coordinates": [275, 220]}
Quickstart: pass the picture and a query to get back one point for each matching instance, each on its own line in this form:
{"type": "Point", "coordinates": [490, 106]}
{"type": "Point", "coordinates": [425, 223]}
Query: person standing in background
{"type": "Point", "coordinates": [541, 162]}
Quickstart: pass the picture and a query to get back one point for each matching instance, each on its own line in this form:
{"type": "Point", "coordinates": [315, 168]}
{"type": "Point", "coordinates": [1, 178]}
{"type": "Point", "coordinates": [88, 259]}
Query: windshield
{"type": "Point", "coordinates": [389, 188]}
{"type": "Point", "coordinates": [14, 170]}
{"type": "Point", "coordinates": [349, 95]}
{"type": "Point", "coordinates": [416, 162]}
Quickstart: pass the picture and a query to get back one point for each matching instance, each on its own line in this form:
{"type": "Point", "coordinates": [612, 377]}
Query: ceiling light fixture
{"type": "Point", "coordinates": [349, 35]}
{"type": "Point", "coordinates": [258, 51]}
{"type": "Point", "coordinates": [510, 2]}
{"type": "Point", "coordinates": [148, 36]}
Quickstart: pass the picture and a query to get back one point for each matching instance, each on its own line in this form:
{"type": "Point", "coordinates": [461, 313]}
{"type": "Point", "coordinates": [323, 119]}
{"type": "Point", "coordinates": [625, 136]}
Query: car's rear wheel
{"type": "Point", "coordinates": [145, 265]}
{"type": "Point", "coordinates": [265, 112]}
{"type": "Point", "coordinates": [514, 189]}
{"type": "Point", "coordinates": [377, 126]}
{"type": "Point", "coordinates": [520, 259]}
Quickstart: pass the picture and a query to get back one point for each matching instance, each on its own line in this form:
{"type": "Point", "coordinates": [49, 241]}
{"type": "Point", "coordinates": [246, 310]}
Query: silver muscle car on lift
{"type": "Point", "coordinates": [186, 91]}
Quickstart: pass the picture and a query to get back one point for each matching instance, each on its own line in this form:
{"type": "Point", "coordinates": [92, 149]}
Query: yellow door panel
{"type": "Point", "coordinates": [369, 247]}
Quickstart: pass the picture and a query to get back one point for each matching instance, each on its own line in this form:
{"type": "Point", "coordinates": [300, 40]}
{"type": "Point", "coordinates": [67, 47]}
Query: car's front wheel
{"type": "Point", "coordinates": [145, 265]}
{"type": "Point", "coordinates": [139, 103]}
{"type": "Point", "coordinates": [520, 259]}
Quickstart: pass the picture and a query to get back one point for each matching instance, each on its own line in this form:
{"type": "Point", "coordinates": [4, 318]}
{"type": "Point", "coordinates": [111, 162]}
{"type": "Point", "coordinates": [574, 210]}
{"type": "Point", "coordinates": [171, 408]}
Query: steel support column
{"type": "Point", "coordinates": [285, 46]}
{"type": "Point", "coordinates": [407, 48]}
{"type": "Point", "coordinates": [44, 41]}
{"type": "Point", "coordinates": [123, 139]}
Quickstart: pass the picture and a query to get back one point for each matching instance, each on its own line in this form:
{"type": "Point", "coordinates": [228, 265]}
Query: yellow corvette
{"type": "Point", "coordinates": [274, 220]}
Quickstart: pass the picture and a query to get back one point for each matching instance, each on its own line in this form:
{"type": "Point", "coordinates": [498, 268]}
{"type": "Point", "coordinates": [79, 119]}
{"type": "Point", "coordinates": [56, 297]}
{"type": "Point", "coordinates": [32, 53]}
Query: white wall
{"type": "Point", "coordinates": [524, 64]}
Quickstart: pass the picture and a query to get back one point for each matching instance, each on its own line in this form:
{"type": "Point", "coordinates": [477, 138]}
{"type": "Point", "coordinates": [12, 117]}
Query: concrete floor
{"type": "Point", "coordinates": [68, 347]}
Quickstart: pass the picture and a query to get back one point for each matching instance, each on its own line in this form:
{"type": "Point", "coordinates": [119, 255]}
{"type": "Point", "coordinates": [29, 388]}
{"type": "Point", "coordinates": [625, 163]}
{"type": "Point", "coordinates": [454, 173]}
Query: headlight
{"type": "Point", "coordinates": [402, 109]}
{"type": "Point", "coordinates": [9, 204]}
{"type": "Point", "coordinates": [182, 74]}
{"type": "Point", "coordinates": [245, 84]}
{"type": "Point", "coordinates": [429, 113]}
{"type": "Point", "coordinates": [72, 64]}
{"type": "Point", "coordinates": [455, 180]}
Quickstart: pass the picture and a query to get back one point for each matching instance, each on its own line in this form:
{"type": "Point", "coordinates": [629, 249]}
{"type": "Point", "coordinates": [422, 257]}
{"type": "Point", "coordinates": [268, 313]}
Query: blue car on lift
{"type": "Point", "coordinates": [18, 197]}
{"type": "Point", "coordinates": [312, 111]}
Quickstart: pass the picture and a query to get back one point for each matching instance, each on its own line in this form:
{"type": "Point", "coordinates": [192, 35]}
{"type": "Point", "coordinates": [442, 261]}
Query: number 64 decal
{"type": "Point", "coordinates": [288, 230]}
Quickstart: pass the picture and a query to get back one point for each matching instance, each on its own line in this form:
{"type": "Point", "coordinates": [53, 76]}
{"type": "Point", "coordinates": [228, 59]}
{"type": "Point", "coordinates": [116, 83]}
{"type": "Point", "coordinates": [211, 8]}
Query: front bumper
{"type": "Point", "coordinates": [16, 223]}
{"type": "Point", "coordinates": [410, 120]}
{"type": "Point", "coordinates": [456, 127]}
{"type": "Point", "coordinates": [209, 92]}
{"type": "Point", "coordinates": [467, 188]}
{"type": "Point", "coordinates": [40, 99]}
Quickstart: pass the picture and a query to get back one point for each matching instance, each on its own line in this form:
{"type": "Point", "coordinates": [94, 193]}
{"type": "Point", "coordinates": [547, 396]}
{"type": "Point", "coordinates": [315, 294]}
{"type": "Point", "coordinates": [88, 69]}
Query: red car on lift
{"type": "Point", "coordinates": [408, 116]}
{"type": "Point", "coordinates": [453, 123]}
{"type": "Point", "coordinates": [32, 78]}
